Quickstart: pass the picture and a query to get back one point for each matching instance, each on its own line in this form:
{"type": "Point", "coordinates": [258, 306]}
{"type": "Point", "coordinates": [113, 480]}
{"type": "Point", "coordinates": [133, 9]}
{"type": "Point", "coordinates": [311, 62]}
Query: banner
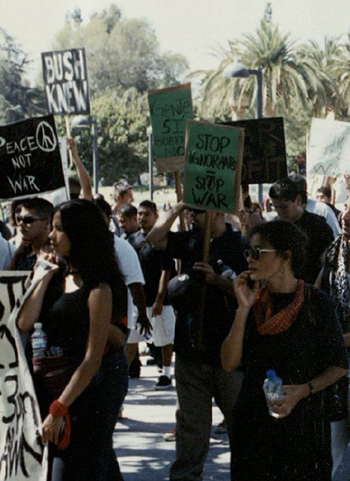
{"type": "Point", "coordinates": [66, 83]}
{"type": "Point", "coordinates": [328, 148]}
{"type": "Point", "coordinates": [213, 163]}
{"type": "Point", "coordinates": [169, 110]}
{"type": "Point", "coordinates": [22, 453]}
{"type": "Point", "coordinates": [30, 161]}
{"type": "Point", "coordinates": [264, 155]}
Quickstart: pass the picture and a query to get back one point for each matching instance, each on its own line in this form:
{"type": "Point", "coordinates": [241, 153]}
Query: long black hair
{"type": "Point", "coordinates": [92, 249]}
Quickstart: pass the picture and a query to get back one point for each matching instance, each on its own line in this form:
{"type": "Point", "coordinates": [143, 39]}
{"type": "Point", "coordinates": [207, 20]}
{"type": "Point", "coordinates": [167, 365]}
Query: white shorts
{"type": "Point", "coordinates": [163, 326]}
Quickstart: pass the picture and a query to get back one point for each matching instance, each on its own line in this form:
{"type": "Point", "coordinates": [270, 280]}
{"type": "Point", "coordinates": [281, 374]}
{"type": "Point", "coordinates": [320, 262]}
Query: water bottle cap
{"type": "Point", "coordinates": [38, 325]}
{"type": "Point", "coordinates": [271, 374]}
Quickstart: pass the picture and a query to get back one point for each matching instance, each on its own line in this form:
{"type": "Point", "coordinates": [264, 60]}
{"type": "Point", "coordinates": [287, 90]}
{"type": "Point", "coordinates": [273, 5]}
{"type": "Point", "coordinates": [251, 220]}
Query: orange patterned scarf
{"type": "Point", "coordinates": [282, 320]}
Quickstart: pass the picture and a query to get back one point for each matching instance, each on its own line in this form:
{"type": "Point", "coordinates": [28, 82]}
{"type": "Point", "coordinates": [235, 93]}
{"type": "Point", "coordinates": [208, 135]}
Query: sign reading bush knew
{"type": "Point", "coordinates": [66, 84]}
{"type": "Point", "coordinates": [30, 160]}
{"type": "Point", "coordinates": [264, 155]}
{"type": "Point", "coordinates": [169, 109]}
{"type": "Point", "coordinates": [213, 163]}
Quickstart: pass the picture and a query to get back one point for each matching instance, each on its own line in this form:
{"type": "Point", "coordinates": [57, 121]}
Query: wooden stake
{"type": "Point", "coordinates": [66, 117]}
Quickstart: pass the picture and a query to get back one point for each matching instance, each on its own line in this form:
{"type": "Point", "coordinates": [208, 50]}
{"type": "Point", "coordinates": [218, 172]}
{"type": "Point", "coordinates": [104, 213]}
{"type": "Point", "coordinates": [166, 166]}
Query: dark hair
{"type": "Point", "coordinates": [301, 184]}
{"type": "Point", "coordinates": [285, 236]}
{"type": "Point", "coordinates": [148, 204]}
{"type": "Point", "coordinates": [42, 207]}
{"type": "Point", "coordinates": [128, 210]}
{"type": "Point", "coordinates": [325, 191]}
{"type": "Point", "coordinates": [103, 206]}
{"type": "Point", "coordinates": [74, 182]}
{"type": "Point", "coordinates": [284, 189]}
{"type": "Point", "coordinates": [92, 249]}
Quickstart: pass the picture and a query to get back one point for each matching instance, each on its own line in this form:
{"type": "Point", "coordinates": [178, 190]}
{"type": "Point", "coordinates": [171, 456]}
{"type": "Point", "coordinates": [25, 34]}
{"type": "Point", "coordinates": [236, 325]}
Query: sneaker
{"type": "Point", "coordinates": [164, 382]}
{"type": "Point", "coordinates": [221, 428]}
{"type": "Point", "coordinates": [170, 436]}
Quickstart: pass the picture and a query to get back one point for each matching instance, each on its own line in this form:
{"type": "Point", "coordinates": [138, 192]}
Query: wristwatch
{"type": "Point", "coordinates": [311, 387]}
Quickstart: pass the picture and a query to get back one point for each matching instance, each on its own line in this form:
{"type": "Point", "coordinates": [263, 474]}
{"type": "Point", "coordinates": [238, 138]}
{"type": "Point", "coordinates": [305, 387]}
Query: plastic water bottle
{"type": "Point", "coordinates": [225, 270]}
{"type": "Point", "coordinates": [39, 341]}
{"type": "Point", "coordinates": [273, 389]}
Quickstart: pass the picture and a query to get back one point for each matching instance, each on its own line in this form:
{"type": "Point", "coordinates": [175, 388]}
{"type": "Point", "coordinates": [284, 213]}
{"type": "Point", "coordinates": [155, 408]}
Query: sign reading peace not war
{"type": "Point", "coordinates": [22, 453]}
{"type": "Point", "coordinates": [264, 154]}
{"type": "Point", "coordinates": [213, 163]}
{"type": "Point", "coordinates": [30, 160]}
{"type": "Point", "coordinates": [66, 83]}
{"type": "Point", "coordinates": [328, 150]}
{"type": "Point", "coordinates": [169, 110]}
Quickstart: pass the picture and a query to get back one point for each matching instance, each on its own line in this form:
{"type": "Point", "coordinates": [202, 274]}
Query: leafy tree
{"type": "Point", "coordinates": [17, 99]}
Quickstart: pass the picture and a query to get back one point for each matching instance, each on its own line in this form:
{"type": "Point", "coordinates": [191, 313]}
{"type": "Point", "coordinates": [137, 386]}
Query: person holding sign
{"type": "Point", "coordinates": [83, 380]}
{"type": "Point", "coordinates": [198, 373]}
{"type": "Point", "coordinates": [291, 327]}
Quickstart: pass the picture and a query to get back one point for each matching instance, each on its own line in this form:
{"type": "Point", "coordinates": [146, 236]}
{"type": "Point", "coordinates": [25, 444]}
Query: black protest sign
{"type": "Point", "coordinates": [213, 162]}
{"type": "Point", "coordinates": [169, 110]}
{"type": "Point", "coordinates": [30, 160]}
{"type": "Point", "coordinates": [264, 155]}
{"type": "Point", "coordinates": [66, 83]}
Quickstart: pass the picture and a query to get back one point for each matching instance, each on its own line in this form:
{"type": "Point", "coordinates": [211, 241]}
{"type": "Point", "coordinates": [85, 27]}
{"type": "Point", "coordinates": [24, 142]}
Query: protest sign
{"type": "Point", "coordinates": [213, 162]}
{"type": "Point", "coordinates": [22, 453]}
{"type": "Point", "coordinates": [169, 110]}
{"type": "Point", "coordinates": [30, 161]}
{"type": "Point", "coordinates": [66, 83]}
{"type": "Point", "coordinates": [328, 149]}
{"type": "Point", "coordinates": [264, 154]}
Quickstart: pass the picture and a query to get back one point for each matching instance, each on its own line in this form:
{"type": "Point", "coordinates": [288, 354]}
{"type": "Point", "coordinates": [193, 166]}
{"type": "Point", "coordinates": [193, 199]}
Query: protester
{"type": "Point", "coordinates": [198, 373]}
{"type": "Point", "coordinates": [81, 187]}
{"type": "Point", "coordinates": [33, 221]}
{"type": "Point", "coordinates": [127, 219]}
{"type": "Point", "coordinates": [291, 327]}
{"type": "Point", "coordinates": [77, 307]}
{"type": "Point", "coordinates": [324, 194]}
{"type": "Point", "coordinates": [157, 269]}
{"type": "Point", "coordinates": [288, 202]}
{"type": "Point", "coordinates": [122, 195]}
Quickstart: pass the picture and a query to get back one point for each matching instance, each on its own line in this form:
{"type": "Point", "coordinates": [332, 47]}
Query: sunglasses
{"type": "Point", "coordinates": [28, 219]}
{"type": "Point", "coordinates": [196, 211]}
{"type": "Point", "coordinates": [255, 252]}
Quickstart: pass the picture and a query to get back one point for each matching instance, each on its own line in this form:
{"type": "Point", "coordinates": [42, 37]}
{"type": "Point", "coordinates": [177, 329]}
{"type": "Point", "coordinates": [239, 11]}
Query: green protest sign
{"type": "Point", "coordinates": [213, 164]}
{"type": "Point", "coordinates": [169, 110]}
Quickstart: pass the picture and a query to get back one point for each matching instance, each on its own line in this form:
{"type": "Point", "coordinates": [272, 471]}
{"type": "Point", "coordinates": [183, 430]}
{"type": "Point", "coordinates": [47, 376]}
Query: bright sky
{"type": "Point", "coordinates": [193, 28]}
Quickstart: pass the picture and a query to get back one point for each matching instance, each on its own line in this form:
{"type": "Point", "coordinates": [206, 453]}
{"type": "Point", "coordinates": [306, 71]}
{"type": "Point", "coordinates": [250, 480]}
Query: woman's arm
{"type": "Point", "coordinates": [100, 311]}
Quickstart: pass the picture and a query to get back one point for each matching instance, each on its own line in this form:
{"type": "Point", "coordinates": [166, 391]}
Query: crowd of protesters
{"type": "Point", "coordinates": [121, 274]}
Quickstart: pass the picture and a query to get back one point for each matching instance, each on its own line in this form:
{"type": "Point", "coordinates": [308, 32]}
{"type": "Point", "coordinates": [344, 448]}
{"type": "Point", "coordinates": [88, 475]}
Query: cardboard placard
{"type": "Point", "coordinates": [66, 83]}
{"type": "Point", "coordinates": [264, 155]}
{"type": "Point", "coordinates": [169, 110]}
{"type": "Point", "coordinates": [328, 148]}
{"type": "Point", "coordinates": [213, 163]}
{"type": "Point", "coordinates": [30, 160]}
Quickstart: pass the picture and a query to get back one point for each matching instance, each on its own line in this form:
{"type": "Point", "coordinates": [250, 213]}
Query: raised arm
{"type": "Point", "coordinates": [157, 237]}
{"type": "Point", "coordinates": [82, 173]}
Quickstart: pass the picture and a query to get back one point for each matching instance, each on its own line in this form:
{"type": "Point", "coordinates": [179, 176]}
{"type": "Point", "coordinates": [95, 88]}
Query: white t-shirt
{"type": "Point", "coordinates": [130, 268]}
{"type": "Point", "coordinates": [322, 209]}
{"type": "Point", "coordinates": [7, 250]}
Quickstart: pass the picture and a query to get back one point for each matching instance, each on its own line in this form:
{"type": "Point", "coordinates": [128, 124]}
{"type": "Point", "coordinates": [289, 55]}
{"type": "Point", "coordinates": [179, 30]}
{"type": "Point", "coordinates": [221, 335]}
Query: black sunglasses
{"type": "Point", "coordinates": [255, 252]}
{"type": "Point", "coordinates": [28, 219]}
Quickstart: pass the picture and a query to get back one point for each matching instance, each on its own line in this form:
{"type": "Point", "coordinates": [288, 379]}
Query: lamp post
{"type": "Point", "coordinates": [82, 121]}
{"type": "Point", "coordinates": [238, 70]}
{"type": "Point", "coordinates": [150, 161]}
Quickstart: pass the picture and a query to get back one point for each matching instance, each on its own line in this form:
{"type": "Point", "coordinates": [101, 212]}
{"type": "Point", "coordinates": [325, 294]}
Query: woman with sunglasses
{"type": "Point", "coordinates": [282, 324]}
{"type": "Point", "coordinates": [77, 308]}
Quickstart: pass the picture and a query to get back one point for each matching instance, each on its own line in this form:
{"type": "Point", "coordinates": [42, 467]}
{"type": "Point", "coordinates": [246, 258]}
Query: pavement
{"type": "Point", "coordinates": [142, 452]}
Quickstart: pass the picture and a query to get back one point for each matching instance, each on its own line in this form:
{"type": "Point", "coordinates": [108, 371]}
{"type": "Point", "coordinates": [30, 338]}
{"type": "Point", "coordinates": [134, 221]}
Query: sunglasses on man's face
{"type": "Point", "coordinates": [255, 252]}
{"type": "Point", "coordinates": [27, 219]}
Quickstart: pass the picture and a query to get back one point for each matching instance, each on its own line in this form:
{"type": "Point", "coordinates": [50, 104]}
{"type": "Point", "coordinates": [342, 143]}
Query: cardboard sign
{"type": "Point", "coordinates": [66, 83]}
{"type": "Point", "coordinates": [30, 160]}
{"type": "Point", "coordinates": [22, 453]}
{"type": "Point", "coordinates": [264, 155]}
{"type": "Point", "coordinates": [328, 148]}
{"type": "Point", "coordinates": [213, 163]}
{"type": "Point", "coordinates": [169, 110]}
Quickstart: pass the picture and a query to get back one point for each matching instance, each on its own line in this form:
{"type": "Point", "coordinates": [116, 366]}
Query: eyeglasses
{"type": "Point", "coordinates": [28, 219]}
{"type": "Point", "coordinates": [255, 252]}
{"type": "Point", "coordinates": [196, 211]}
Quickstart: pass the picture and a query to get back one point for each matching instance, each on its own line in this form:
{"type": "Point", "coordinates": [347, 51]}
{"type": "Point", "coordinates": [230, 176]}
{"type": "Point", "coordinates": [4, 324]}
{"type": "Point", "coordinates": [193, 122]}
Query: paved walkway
{"type": "Point", "coordinates": [138, 440]}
